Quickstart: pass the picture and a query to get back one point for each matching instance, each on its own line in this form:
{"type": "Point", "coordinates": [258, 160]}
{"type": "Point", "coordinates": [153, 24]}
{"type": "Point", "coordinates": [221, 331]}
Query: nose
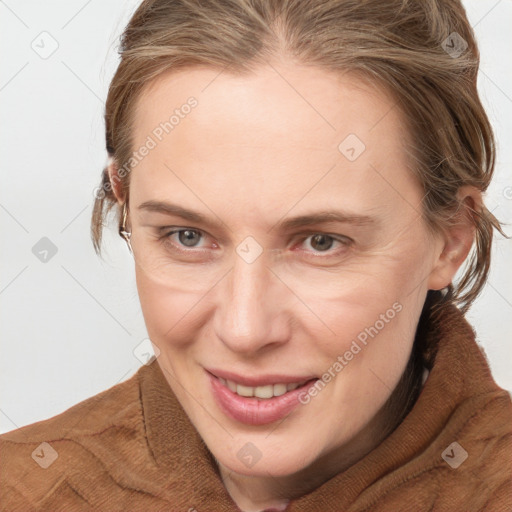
{"type": "Point", "coordinates": [252, 314]}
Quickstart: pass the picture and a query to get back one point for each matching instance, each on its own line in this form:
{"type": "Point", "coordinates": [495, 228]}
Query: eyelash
{"type": "Point", "coordinates": [343, 240]}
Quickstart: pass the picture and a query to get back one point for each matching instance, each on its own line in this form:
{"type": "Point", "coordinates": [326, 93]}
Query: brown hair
{"type": "Point", "coordinates": [423, 51]}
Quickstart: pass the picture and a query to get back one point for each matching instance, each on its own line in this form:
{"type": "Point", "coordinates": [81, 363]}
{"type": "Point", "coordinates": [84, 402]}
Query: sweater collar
{"type": "Point", "coordinates": [450, 354]}
{"type": "Point", "coordinates": [180, 453]}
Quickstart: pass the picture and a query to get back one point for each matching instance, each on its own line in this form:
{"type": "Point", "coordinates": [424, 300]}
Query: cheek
{"type": "Point", "coordinates": [371, 292]}
{"type": "Point", "coordinates": [374, 322]}
{"type": "Point", "coordinates": [367, 360]}
{"type": "Point", "coordinates": [167, 311]}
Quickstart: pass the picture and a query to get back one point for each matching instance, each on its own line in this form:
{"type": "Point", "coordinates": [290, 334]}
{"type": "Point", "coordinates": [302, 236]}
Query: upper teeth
{"type": "Point", "coordinates": [268, 391]}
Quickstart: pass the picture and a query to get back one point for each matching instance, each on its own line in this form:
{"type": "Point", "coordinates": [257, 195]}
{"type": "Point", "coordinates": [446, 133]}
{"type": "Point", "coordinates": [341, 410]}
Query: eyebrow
{"type": "Point", "coordinates": [321, 217]}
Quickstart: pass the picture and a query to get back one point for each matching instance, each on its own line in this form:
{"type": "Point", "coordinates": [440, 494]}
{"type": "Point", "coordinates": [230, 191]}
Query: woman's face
{"type": "Point", "coordinates": [246, 294]}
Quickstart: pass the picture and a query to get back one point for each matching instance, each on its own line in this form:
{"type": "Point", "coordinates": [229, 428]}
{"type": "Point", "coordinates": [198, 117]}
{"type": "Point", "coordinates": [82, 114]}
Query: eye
{"type": "Point", "coordinates": [323, 242]}
{"type": "Point", "coordinates": [187, 237]}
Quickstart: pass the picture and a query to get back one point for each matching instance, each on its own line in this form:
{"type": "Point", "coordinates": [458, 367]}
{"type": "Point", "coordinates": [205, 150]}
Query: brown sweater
{"type": "Point", "coordinates": [133, 448]}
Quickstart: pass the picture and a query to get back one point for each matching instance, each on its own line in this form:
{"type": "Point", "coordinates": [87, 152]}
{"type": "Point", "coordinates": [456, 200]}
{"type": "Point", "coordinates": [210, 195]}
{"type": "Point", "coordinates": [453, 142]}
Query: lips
{"type": "Point", "coordinates": [263, 380]}
{"type": "Point", "coordinates": [252, 410]}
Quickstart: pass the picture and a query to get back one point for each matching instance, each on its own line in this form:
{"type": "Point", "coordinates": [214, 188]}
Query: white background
{"type": "Point", "coordinates": [69, 326]}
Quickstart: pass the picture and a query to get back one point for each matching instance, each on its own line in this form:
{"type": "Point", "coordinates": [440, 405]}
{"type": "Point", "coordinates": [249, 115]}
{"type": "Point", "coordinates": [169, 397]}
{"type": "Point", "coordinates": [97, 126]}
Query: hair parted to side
{"type": "Point", "coordinates": [397, 44]}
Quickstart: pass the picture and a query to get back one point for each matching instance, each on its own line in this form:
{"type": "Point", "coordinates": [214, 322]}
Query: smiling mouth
{"type": "Point", "coordinates": [257, 405]}
{"type": "Point", "coordinates": [264, 392]}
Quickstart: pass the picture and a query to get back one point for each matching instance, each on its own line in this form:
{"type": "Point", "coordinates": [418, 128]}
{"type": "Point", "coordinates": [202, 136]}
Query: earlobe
{"type": "Point", "coordinates": [457, 239]}
{"type": "Point", "coordinates": [115, 180]}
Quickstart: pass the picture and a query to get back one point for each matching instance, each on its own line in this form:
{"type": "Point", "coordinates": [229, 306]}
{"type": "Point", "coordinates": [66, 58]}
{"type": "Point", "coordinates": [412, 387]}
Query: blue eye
{"type": "Point", "coordinates": [188, 238]}
{"type": "Point", "coordinates": [320, 242]}
{"type": "Point", "coordinates": [324, 242]}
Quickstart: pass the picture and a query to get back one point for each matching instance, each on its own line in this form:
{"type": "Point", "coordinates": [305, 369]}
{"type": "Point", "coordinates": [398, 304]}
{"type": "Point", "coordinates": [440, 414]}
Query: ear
{"type": "Point", "coordinates": [457, 240]}
{"type": "Point", "coordinates": [115, 180]}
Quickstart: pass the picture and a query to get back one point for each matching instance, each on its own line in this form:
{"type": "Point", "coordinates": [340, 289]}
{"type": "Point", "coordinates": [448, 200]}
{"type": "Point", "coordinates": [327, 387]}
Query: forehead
{"type": "Point", "coordinates": [296, 103]}
{"type": "Point", "coordinates": [283, 124]}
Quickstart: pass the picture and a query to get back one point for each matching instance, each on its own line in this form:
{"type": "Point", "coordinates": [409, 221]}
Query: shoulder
{"type": "Point", "coordinates": [470, 461]}
{"type": "Point", "coordinates": [113, 406]}
{"type": "Point", "coordinates": [467, 466]}
{"type": "Point", "coordinates": [476, 453]}
{"type": "Point", "coordinates": [36, 457]}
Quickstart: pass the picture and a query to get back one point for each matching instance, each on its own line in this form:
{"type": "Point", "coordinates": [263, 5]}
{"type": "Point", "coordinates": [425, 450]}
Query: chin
{"type": "Point", "coordinates": [273, 466]}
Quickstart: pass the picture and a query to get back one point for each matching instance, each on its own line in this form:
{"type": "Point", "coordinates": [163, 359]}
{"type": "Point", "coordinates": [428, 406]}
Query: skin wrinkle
{"type": "Point", "coordinates": [252, 321]}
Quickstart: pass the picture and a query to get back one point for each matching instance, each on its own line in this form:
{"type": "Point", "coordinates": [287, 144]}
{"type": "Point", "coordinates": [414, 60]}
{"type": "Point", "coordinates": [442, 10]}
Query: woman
{"type": "Point", "coordinates": [298, 183]}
